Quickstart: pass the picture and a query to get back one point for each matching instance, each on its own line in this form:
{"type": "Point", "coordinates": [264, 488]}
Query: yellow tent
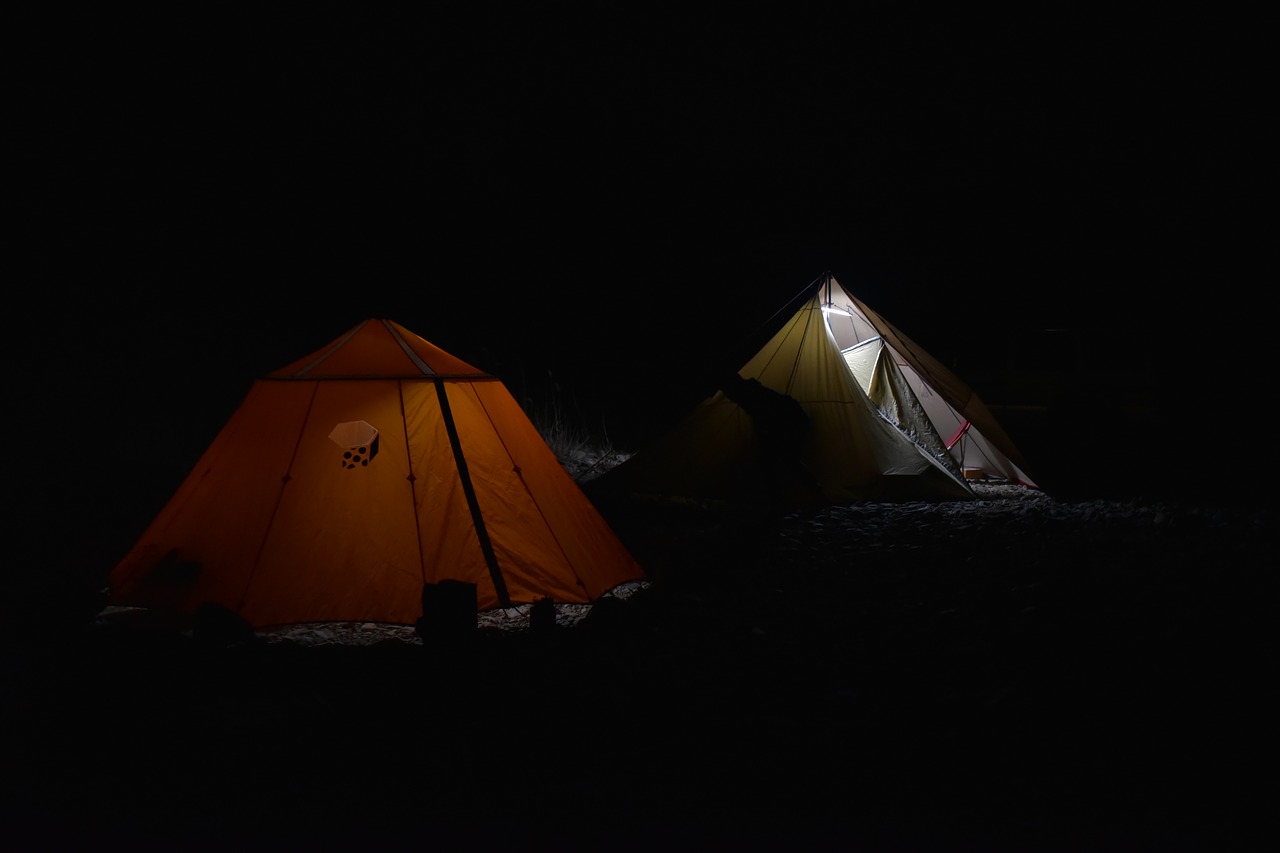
{"type": "Point", "coordinates": [843, 447]}
{"type": "Point", "coordinates": [346, 481]}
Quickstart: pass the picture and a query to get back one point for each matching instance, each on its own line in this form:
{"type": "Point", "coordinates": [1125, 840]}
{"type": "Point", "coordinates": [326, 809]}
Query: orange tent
{"type": "Point", "coordinates": [346, 481]}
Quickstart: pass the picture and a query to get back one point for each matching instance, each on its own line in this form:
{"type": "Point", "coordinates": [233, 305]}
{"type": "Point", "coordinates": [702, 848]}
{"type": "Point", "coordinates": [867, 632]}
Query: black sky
{"type": "Point", "coordinates": [616, 201]}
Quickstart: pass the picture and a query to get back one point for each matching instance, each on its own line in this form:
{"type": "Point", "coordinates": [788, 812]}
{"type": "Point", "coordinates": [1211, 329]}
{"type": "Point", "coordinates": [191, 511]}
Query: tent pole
{"type": "Point", "coordinates": [490, 559]}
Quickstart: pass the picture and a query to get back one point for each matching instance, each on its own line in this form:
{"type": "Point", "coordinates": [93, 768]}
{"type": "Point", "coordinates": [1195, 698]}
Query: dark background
{"type": "Point", "coordinates": [606, 209]}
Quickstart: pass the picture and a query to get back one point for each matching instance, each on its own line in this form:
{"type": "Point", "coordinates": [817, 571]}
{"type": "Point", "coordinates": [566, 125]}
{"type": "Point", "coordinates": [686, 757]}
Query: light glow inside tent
{"type": "Point", "coordinates": [974, 438]}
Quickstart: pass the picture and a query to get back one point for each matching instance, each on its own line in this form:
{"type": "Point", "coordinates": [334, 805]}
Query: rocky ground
{"type": "Point", "coordinates": [1016, 672]}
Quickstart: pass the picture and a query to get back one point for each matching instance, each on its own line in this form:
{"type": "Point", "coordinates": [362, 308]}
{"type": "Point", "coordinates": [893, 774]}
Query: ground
{"type": "Point", "coordinates": [1016, 672]}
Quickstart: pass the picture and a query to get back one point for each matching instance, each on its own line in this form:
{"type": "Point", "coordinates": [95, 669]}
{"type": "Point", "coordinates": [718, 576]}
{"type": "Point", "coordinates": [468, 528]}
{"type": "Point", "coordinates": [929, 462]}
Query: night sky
{"type": "Point", "coordinates": [613, 205]}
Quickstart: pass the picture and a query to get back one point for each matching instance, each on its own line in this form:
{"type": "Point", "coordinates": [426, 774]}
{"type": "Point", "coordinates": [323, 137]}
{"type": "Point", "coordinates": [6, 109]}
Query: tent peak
{"type": "Point", "coordinates": [380, 348]}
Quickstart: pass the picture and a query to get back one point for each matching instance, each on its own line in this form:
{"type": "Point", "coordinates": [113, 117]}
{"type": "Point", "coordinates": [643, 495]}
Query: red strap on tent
{"type": "Point", "coordinates": [959, 434]}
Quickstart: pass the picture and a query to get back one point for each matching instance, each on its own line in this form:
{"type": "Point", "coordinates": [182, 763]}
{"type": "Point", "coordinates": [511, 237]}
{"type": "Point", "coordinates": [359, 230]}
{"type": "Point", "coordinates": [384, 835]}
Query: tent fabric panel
{"type": "Point", "coordinates": [593, 557]}
{"type": "Point", "coordinates": [548, 539]}
{"type": "Point", "coordinates": [955, 390]}
{"type": "Point", "coordinates": [248, 459]}
{"type": "Point", "coordinates": [440, 362]}
{"type": "Point", "coordinates": [941, 378]}
{"type": "Point", "coordinates": [850, 450]}
{"type": "Point", "coordinates": [530, 560]}
{"type": "Point", "coordinates": [873, 366]}
{"type": "Point", "coordinates": [973, 450]}
{"type": "Point", "coordinates": [838, 450]}
{"type": "Point", "coordinates": [853, 448]}
{"type": "Point", "coordinates": [447, 528]}
{"type": "Point", "coordinates": [343, 545]}
{"type": "Point", "coordinates": [710, 454]}
{"type": "Point", "coordinates": [861, 359]}
{"type": "Point", "coordinates": [928, 377]}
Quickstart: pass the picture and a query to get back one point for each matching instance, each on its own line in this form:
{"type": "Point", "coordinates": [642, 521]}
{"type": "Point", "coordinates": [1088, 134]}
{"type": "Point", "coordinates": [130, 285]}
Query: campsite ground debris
{"type": "Point", "coordinates": [1013, 672]}
{"type": "Point", "coordinates": [515, 618]}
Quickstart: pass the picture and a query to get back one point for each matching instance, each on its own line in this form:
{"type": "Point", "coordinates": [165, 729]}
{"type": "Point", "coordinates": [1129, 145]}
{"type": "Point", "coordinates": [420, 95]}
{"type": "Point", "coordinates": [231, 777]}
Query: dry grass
{"type": "Point", "coordinates": [584, 451]}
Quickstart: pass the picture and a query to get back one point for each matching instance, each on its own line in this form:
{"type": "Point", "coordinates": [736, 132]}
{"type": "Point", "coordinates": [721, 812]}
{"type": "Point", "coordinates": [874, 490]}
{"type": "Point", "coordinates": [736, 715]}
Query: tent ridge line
{"type": "Point", "coordinates": [408, 350]}
{"type": "Point", "coordinates": [337, 345]}
{"type": "Point", "coordinates": [412, 480]}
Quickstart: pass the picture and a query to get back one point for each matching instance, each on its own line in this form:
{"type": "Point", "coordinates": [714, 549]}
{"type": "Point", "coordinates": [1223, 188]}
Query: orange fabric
{"type": "Point", "coordinates": [286, 526]}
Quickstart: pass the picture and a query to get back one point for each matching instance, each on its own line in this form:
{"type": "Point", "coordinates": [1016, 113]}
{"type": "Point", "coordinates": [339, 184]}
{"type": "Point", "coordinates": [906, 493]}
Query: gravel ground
{"type": "Point", "coordinates": [1016, 672]}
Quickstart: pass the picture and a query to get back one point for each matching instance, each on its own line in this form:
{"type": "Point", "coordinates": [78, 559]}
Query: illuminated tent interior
{"type": "Point", "coordinates": [916, 391]}
{"type": "Point", "coordinates": [866, 440]}
{"type": "Point", "coordinates": [347, 481]}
